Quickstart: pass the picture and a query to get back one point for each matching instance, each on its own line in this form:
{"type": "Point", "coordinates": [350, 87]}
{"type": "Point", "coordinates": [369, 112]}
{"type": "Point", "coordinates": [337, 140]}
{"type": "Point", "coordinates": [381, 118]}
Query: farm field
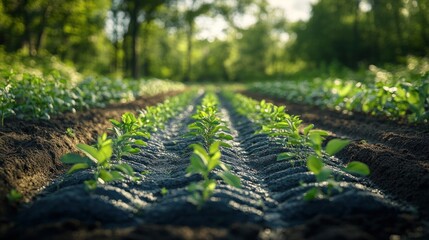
{"type": "Point", "coordinates": [250, 192]}
{"type": "Point", "coordinates": [214, 119]}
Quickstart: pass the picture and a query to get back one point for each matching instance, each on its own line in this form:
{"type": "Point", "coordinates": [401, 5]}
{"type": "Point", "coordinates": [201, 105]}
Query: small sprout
{"type": "Point", "coordinates": [70, 132]}
{"type": "Point", "coordinates": [323, 174]}
{"type": "Point", "coordinates": [14, 196]}
{"type": "Point", "coordinates": [203, 163]}
{"type": "Point", "coordinates": [164, 191]}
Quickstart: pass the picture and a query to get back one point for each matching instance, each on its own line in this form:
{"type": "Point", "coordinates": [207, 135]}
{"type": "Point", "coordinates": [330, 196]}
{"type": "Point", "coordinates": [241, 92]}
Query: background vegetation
{"type": "Point", "coordinates": [133, 38]}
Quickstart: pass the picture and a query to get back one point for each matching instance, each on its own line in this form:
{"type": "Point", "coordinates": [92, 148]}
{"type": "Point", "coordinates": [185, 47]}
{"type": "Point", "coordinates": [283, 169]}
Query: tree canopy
{"type": "Point", "coordinates": [160, 38]}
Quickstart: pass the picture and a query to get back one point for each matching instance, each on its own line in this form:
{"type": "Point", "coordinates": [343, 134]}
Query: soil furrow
{"type": "Point", "coordinates": [397, 154]}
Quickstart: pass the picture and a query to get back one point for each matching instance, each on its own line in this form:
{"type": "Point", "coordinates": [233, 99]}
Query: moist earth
{"type": "Point", "coordinates": [269, 205]}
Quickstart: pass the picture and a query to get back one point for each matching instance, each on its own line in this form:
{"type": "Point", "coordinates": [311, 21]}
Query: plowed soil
{"type": "Point", "coordinates": [397, 154]}
{"type": "Point", "coordinates": [268, 206]}
{"type": "Point", "coordinates": [30, 150]}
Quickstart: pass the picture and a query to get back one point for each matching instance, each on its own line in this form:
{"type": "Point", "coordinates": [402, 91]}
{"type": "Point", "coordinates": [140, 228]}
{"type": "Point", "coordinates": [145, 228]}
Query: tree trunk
{"type": "Point", "coordinates": [189, 36]}
{"type": "Point", "coordinates": [146, 61]}
{"type": "Point", "coordinates": [134, 39]}
{"type": "Point", "coordinates": [356, 36]}
{"type": "Point", "coordinates": [41, 29]}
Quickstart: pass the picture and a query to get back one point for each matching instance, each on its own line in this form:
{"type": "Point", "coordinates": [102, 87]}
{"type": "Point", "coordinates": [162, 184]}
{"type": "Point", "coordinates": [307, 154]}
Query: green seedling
{"type": "Point", "coordinates": [98, 158]}
{"type": "Point", "coordinates": [164, 191]}
{"type": "Point", "coordinates": [7, 100]}
{"type": "Point", "coordinates": [324, 174]}
{"type": "Point", "coordinates": [14, 196]}
{"type": "Point", "coordinates": [208, 125]}
{"type": "Point", "coordinates": [203, 163]}
{"type": "Point", "coordinates": [127, 134]}
{"type": "Point", "coordinates": [273, 121]}
{"type": "Point", "coordinates": [70, 132]}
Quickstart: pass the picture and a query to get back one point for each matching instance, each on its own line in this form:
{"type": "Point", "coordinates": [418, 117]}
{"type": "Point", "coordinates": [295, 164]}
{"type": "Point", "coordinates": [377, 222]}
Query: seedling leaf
{"type": "Point", "coordinates": [78, 167]}
{"type": "Point", "coordinates": [90, 152]}
{"type": "Point", "coordinates": [285, 156]}
{"type": "Point", "coordinates": [359, 168]}
{"type": "Point", "coordinates": [314, 164]}
{"type": "Point", "coordinates": [230, 179]}
{"type": "Point", "coordinates": [336, 145]}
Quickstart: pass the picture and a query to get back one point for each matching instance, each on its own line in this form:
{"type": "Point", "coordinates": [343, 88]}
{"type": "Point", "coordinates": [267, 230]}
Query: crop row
{"type": "Point", "coordinates": [211, 133]}
{"type": "Point", "coordinates": [28, 96]}
{"type": "Point", "coordinates": [299, 145]}
{"type": "Point", "coordinates": [387, 95]}
{"type": "Point", "coordinates": [127, 135]}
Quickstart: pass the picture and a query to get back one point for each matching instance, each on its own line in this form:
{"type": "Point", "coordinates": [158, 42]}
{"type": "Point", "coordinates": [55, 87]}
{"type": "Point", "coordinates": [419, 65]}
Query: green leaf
{"type": "Point", "coordinates": [356, 167]}
{"type": "Point", "coordinates": [90, 185]}
{"type": "Point", "coordinates": [214, 161]}
{"type": "Point", "coordinates": [140, 142]}
{"type": "Point", "coordinates": [324, 174]}
{"type": "Point", "coordinates": [315, 164]}
{"type": "Point", "coordinates": [336, 145]}
{"type": "Point", "coordinates": [285, 156]}
{"type": "Point", "coordinates": [225, 136]}
{"type": "Point", "coordinates": [90, 152]}
{"type": "Point", "coordinates": [125, 168]}
{"type": "Point", "coordinates": [224, 144]}
{"type": "Point", "coordinates": [14, 196]}
{"type": "Point", "coordinates": [78, 167]}
{"type": "Point", "coordinates": [72, 158]}
{"type": "Point", "coordinates": [201, 152]}
{"type": "Point", "coordinates": [230, 179]}
{"type": "Point", "coordinates": [106, 176]}
{"type": "Point", "coordinates": [214, 147]}
{"type": "Point", "coordinates": [308, 128]}
{"type": "Point", "coordinates": [311, 194]}
{"type": "Point", "coordinates": [164, 191]}
{"type": "Point", "coordinates": [197, 164]}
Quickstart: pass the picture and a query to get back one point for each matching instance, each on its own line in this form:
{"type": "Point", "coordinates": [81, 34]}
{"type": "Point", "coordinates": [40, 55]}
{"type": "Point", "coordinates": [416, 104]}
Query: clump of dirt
{"type": "Point", "coordinates": [30, 150]}
{"type": "Point", "coordinates": [397, 153]}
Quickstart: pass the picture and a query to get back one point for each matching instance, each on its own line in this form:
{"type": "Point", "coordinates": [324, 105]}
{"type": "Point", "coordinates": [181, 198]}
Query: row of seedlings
{"type": "Point", "coordinates": [289, 132]}
{"type": "Point", "coordinates": [211, 133]}
{"type": "Point", "coordinates": [127, 135]}
{"type": "Point", "coordinates": [28, 96]}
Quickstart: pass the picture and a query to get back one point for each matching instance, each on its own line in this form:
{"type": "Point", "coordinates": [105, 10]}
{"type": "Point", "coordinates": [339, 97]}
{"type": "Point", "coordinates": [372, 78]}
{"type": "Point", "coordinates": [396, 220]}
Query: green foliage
{"type": "Point", "coordinates": [70, 132]}
{"type": "Point", "coordinates": [29, 96]}
{"type": "Point", "coordinates": [403, 94]}
{"type": "Point", "coordinates": [14, 196]}
{"type": "Point", "coordinates": [128, 135]}
{"type": "Point", "coordinates": [285, 129]}
{"type": "Point", "coordinates": [203, 163]}
{"type": "Point", "coordinates": [208, 125]}
{"type": "Point", "coordinates": [324, 174]}
{"type": "Point", "coordinates": [98, 157]}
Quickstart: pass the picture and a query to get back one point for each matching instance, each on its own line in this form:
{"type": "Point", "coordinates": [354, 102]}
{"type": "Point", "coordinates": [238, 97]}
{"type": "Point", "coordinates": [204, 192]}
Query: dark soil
{"type": "Point", "coordinates": [30, 150]}
{"type": "Point", "coordinates": [397, 154]}
{"type": "Point", "coordinates": [268, 206]}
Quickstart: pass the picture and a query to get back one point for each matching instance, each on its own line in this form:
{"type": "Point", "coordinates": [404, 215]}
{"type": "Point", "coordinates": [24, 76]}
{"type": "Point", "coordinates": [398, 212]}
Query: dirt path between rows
{"type": "Point", "coordinates": [397, 154]}
{"type": "Point", "coordinates": [30, 150]}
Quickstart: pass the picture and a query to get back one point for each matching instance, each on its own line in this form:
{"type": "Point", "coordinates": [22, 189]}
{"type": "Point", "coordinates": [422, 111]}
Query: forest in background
{"type": "Point", "coordinates": [159, 38]}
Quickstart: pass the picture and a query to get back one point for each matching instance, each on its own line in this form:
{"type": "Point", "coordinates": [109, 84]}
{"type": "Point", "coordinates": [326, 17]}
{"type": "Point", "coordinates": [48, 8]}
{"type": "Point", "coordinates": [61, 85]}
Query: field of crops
{"type": "Point", "coordinates": [126, 159]}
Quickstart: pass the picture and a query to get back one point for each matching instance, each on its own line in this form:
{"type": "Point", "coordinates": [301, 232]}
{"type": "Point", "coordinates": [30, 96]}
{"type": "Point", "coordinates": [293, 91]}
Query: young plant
{"type": "Point", "coordinates": [70, 132]}
{"type": "Point", "coordinates": [203, 163]}
{"type": "Point", "coordinates": [127, 133]}
{"type": "Point", "coordinates": [98, 158]}
{"type": "Point", "coordinates": [324, 174]}
{"type": "Point", "coordinates": [14, 196]}
{"type": "Point", "coordinates": [7, 100]}
{"type": "Point", "coordinates": [208, 125]}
